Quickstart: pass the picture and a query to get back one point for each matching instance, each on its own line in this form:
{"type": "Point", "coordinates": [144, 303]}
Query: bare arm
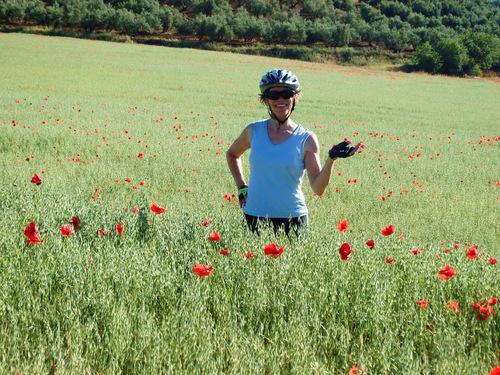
{"type": "Point", "coordinates": [319, 178]}
{"type": "Point", "coordinates": [238, 148]}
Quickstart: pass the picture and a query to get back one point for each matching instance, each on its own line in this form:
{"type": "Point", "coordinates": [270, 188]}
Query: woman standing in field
{"type": "Point", "coordinates": [280, 152]}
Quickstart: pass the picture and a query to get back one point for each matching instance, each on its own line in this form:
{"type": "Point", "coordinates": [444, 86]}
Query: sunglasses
{"type": "Point", "coordinates": [275, 95]}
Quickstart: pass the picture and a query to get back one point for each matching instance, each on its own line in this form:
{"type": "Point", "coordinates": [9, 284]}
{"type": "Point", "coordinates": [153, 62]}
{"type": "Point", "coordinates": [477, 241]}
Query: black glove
{"type": "Point", "coordinates": [342, 150]}
{"type": "Point", "coordinates": [242, 192]}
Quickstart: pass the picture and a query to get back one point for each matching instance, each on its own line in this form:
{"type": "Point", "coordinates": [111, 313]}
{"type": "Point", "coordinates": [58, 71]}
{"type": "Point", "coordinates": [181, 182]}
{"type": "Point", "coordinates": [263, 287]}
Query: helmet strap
{"type": "Point", "coordinates": [280, 122]}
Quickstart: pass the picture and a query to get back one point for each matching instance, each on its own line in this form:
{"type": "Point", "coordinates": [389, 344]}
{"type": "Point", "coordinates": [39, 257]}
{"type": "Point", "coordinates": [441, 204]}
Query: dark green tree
{"type": "Point", "coordinates": [395, 8]}
{"type": "Point", "coordinates": [483, 49]}
{"type": "Point", "coordinates": [169, 17]}
{"type": "Point", "coordinates": [35, 11]}
{"type": "Point", "coordinates": [12, 11]}
{"type": "Point", "coordinates": [453, 54]}
{"type": "Point", "coordinates": [425, 58]}
{"type": "Point", "coordinates": [217, 27]}
{"type": "Point", "coordinates": [248, 27]}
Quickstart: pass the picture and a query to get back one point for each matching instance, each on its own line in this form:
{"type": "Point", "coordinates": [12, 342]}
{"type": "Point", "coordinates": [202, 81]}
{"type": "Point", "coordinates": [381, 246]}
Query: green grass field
{"type": "Point", "coordinates": [113, 128]}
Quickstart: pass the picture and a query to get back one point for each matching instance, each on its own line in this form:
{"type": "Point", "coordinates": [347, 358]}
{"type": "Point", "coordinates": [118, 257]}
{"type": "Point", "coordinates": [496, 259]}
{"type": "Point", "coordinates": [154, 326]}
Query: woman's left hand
{"type": "Point", "coordinates": [242, 195]}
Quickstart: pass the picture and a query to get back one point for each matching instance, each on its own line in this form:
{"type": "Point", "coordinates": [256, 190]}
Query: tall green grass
{"type": "Point", "coordinates": [78, 113]}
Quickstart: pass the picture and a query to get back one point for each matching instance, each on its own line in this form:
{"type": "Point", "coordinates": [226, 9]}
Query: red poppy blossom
{"type": "Point", "coordinates": [477, 305]}
{"type": "Point", "coordinates": [345, 251]}
{"type": "Point", "coordinates": [225, 252]}
{"type": "Point", "coordinates": [447, 272]}
{"type": "Point", "coordinates": [135, 210]}
{"type": "Point", "coordinates": [202, 270]}
{"type": "Point", "coordinates": [495, 371]}
{"type": "Point", "coordinates": [389, 260]}
{"type": "Point", "coordinates": [356, 370]}
{"type": "Point", "coordinates": [484, 310]}
{"type": "Point", "coordinates": [249, 254]}
{"type": "Point", "coordinates": [370, 243]}
{"type": "Point", "coordinates": [119, 228]}
{"type": "Point", "coordinates": [67, 230]}
{"type": "Point", "coordinates": [206, 223]}
{"type": "Point", "coordinates": [472, 252]}
{"type": "Point", "coordinates": [492, 260]}
{"type": "Point", "coordinates": [36, 179]}
{"type": "Point", "coordinates": [273, 250]}
{"type": "Point", "coordinates": [215, 237]}
{"type": "Point", "coordinates": [492, 301]}
{"type": "Point", "coordinates": [423, 304]}
{"type": "Point", "coordinates": [140, 156]}
{"type": "Point", "coordinates": [452, 305]}
{"type": "Point", "coordinates": [342, 225]}
{"type": "Point", "coordinates": [31, 231]}
{"type": "Point", "coordinates": [387, 231]}
{"type": "Point", "coordinates": [75, 222]}
{"type": "Point", "coordinates": [416, 252]}
{"type": "Point", "coordinates": [157, 209]}
{"type": "Point", "coordinates": [102, 232]}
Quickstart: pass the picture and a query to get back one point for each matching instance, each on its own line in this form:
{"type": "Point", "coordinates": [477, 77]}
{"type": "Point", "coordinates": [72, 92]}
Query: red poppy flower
{"type": "Point", "coordinates": [249, 254]}
{"type": "Point", "coordinates": [103, 232]}
{"type": "Point", "coordinates": [345, 251]}
{"type": "Point", "coordinates": [342, 225]}
{"type": "Point", "coordinates": [387, 231]}
{"type": "Point", "coordinates": [495, 371]}
{"type": "Point", "coordinates": [472, 252]}
{"type": "Point", "coordinates": [492, 301]}
{"type": "Point", "coordinates": [36, 179]}
{"type": "Point", "coordinates": [67, 230]}
{"type": "Point", "coordinates": [484, 310]}
{"type": "Point", "coordinates": [416, 252]}
{"type": "Point", "coordinates": [140, 156]}
{"type": "Point", "coordinates": [389, 260]}
{"type": "Point", "coordinates": [75, 222]}
{"type": "Point", "coordinates": [477, 305]}
{"type": "Point", "coordinates": [215, 237]}
{"type": "Point", "coordinates": [356, 370]}
{"type": "Point", "coordinates": [157, 209]}
{"type": "Point", "coordinates": [273, 250]}
{"type": "Point", "coordinates": [452, 305]}
{"type": "Point", "coordinates": [119, 228]}
{"type": "Point", "coordinates": [225, 252]}
{"type": "Point", "coordinates": [202, 270]}
{"type": "Point", "coordinates": [423, 304]}
{"type": "Point", "coordinates": [31, 231]}
{"type": "Point", "coordinates": [206, 223]}
{"type": "Point", "coordinates": [492, 261]}
{"type": "Point", "coordinates": [370, 244]}
{"type": "Point", "coordinates": [447, 272]}
{"type": "Point", "coordinates": [128, 180]}
{"type": "Point", "coordinates": [135, 210]}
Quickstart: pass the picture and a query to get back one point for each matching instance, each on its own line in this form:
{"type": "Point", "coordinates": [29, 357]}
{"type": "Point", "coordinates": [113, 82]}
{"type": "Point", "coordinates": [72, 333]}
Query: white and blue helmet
{"type": "Point", "coordinates": [279, 78]}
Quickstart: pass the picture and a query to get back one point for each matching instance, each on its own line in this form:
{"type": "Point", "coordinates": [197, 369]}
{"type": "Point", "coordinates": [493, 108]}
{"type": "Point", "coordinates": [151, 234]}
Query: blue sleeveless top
{"type": "Point", "coordinates": [276, 171]}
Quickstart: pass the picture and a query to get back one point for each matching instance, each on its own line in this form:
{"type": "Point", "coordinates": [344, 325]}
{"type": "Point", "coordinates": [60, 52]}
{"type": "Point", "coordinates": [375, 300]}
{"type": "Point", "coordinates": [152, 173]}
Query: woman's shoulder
{"type": "Point", "coordinates": [259, 123]}
{"type": "Point", "coordinates": [303, 128]}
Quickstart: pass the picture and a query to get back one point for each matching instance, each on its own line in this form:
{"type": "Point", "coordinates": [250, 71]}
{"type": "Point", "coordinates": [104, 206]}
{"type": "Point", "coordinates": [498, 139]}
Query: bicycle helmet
{"type": "Point", "coordinates": [279, 78]}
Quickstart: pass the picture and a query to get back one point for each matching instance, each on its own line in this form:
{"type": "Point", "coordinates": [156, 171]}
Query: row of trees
{"type": "Point", "coordinates": [397, 25]}
{"type": "Point", "coordinates": [471, 54]}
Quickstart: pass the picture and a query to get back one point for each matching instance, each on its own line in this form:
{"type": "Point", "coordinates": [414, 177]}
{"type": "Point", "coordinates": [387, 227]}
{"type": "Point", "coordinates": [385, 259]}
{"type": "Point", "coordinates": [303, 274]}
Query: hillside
{"type": "Point", "coordinates": [451, 37]}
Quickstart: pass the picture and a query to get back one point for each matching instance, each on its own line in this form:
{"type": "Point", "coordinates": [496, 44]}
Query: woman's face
{"type": "Point", "coordinates": [281, 107]}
